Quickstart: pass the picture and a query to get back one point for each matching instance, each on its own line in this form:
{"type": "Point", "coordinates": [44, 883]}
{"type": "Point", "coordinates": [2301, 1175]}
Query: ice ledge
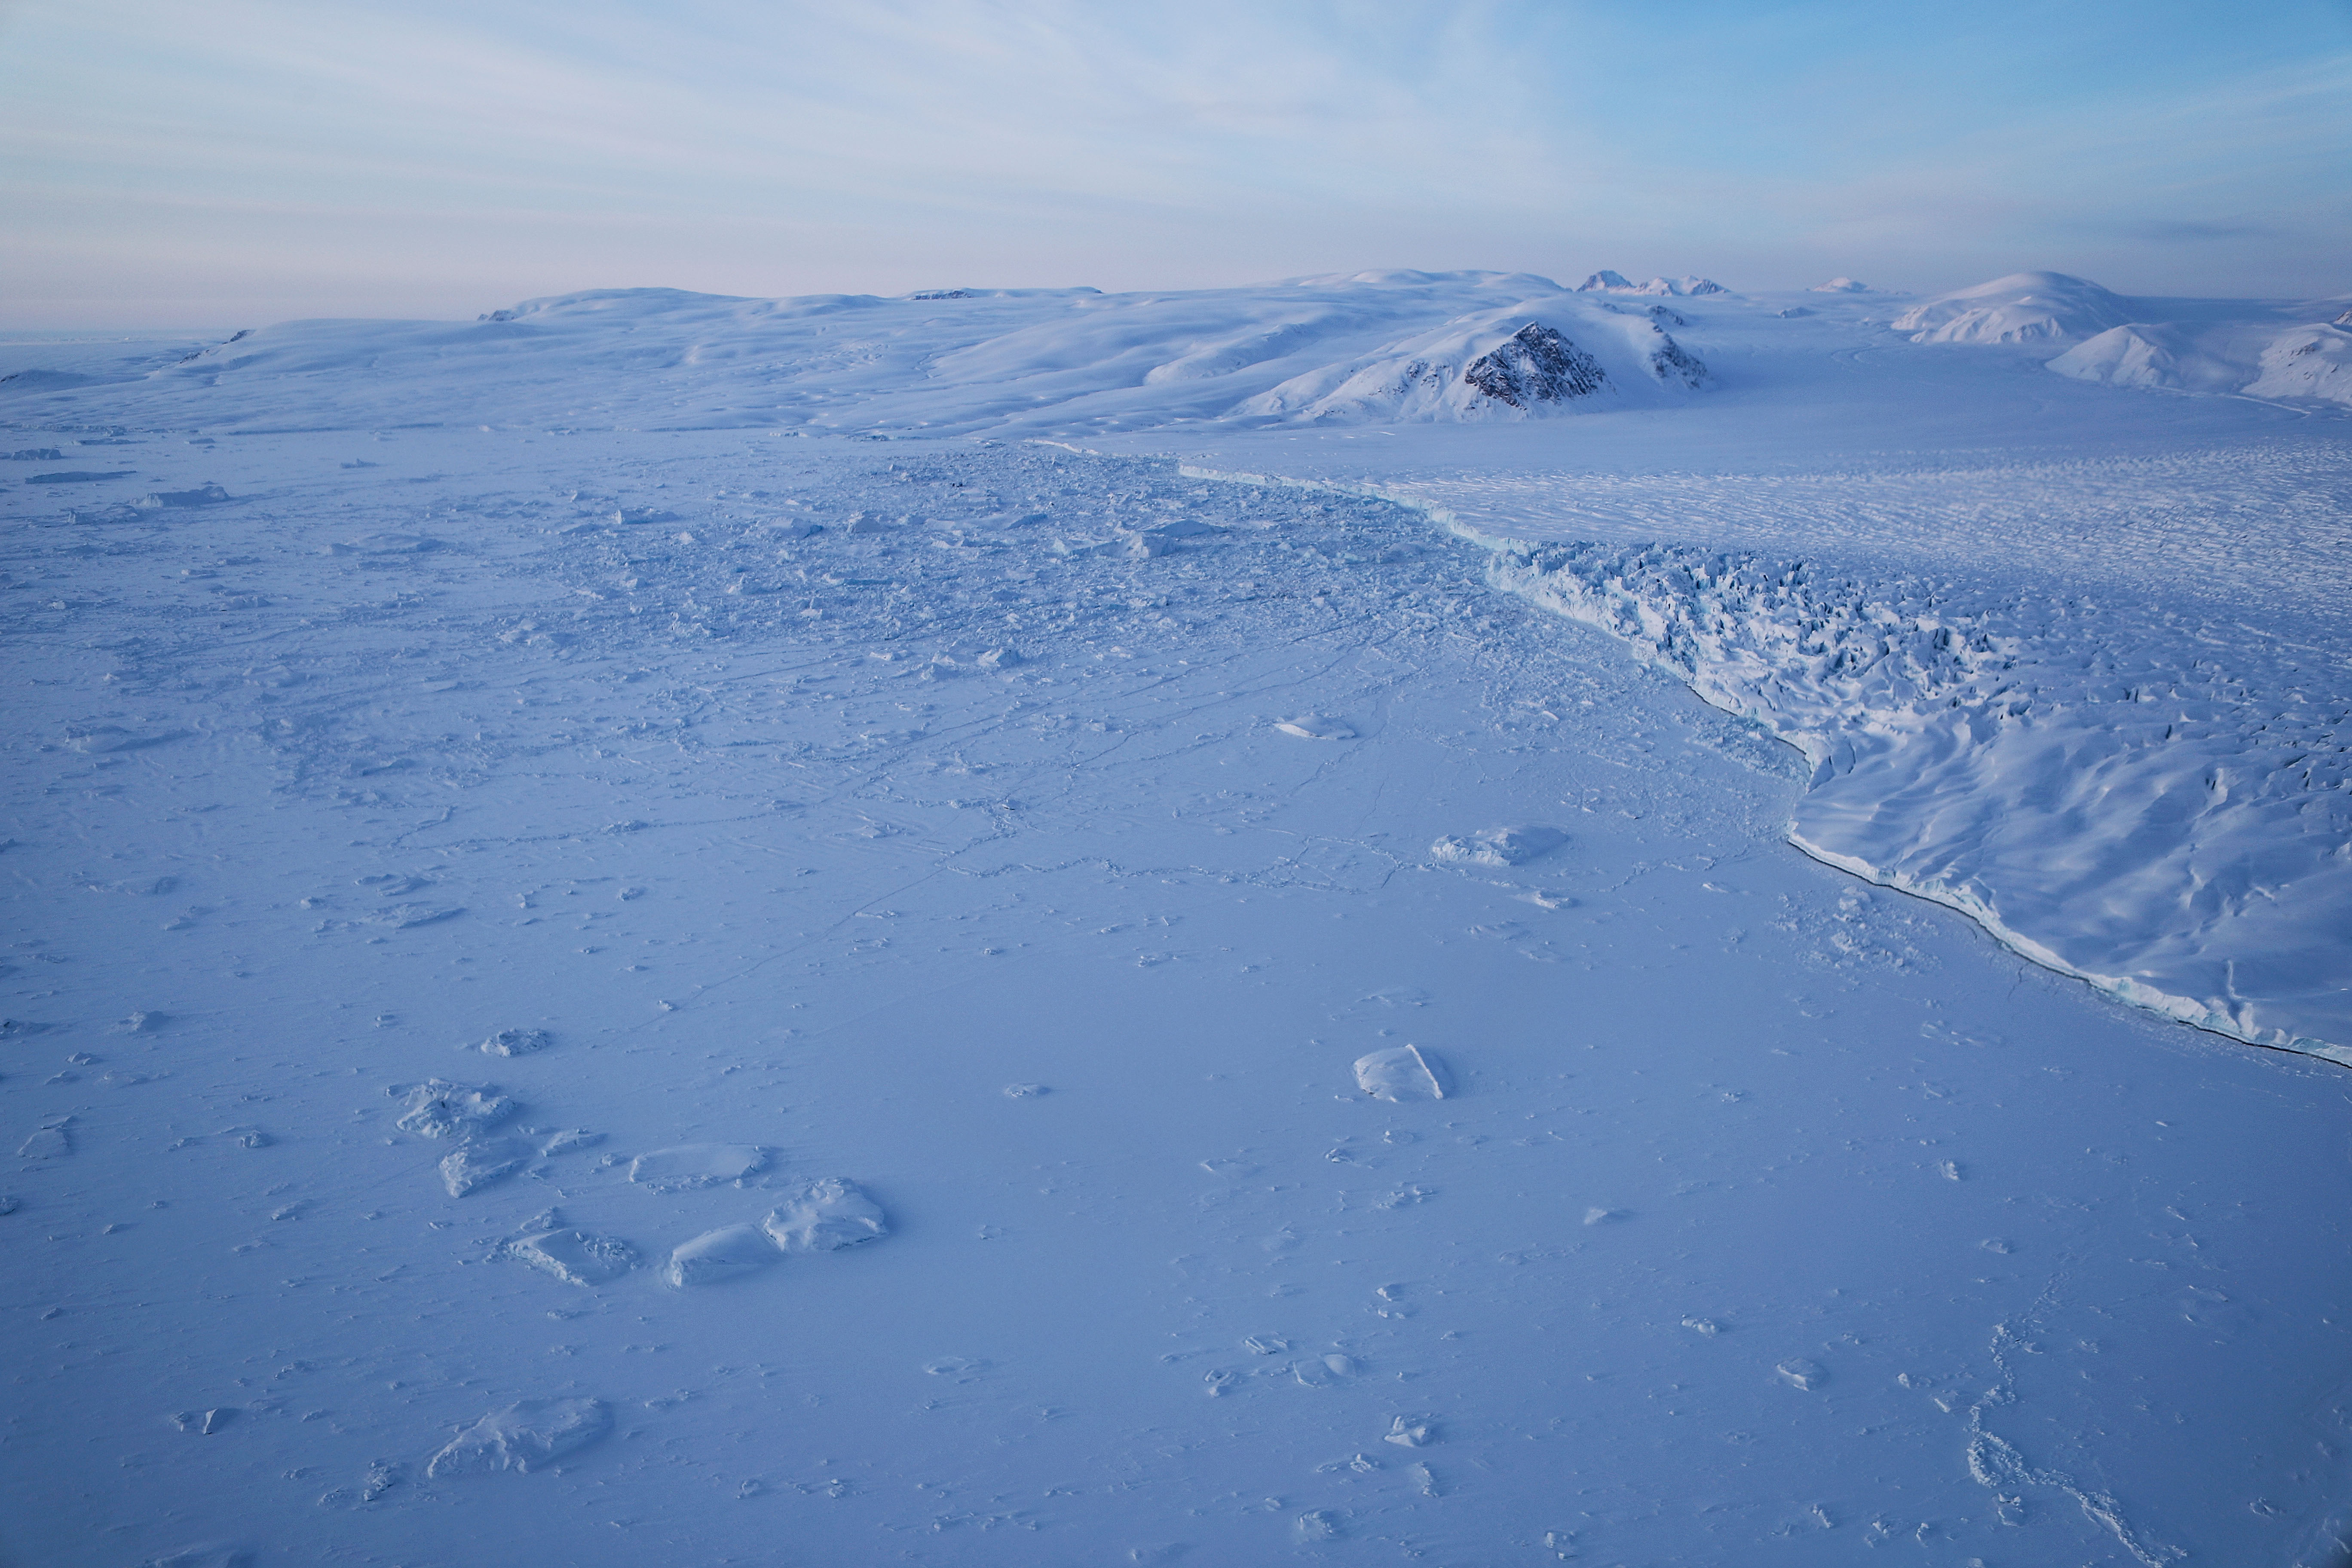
{"type": "Point", "coordinates": [2181, 1009]}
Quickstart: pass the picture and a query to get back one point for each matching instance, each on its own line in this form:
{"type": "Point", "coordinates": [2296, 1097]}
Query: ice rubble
{"type": "Point", "coordinates": [2153, 824]}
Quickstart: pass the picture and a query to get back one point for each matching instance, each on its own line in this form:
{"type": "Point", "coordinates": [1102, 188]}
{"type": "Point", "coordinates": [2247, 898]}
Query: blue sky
{"type": "Point", "coordinates": [239, 161]}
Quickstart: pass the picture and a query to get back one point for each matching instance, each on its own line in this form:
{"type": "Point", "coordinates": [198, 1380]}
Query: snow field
{"type": "Point", "coordinates": [1749, 1188]}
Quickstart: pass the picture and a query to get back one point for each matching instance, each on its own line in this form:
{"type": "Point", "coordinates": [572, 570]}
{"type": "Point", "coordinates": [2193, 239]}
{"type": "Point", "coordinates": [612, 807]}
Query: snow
{"type": "Point", "coordinates": [1402, 1072]}
{"type": "Point", "coordinates": [2171, 833]}
{"type": "Point", "coordinates": [1607, 281]}
{"type": "Point", "coordinates": [927, 771]}
{"type": "Point", "coordinates": [2024, 306]}
{"type": "Point", "coordinates": [825, 1216]}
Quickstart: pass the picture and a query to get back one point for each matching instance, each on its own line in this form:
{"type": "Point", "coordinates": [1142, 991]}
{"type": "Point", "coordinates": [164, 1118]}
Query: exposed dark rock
{"type": "Point", "coordinates": [1536, 365]}
{"type": "Point", "coordinates": [1671, 362]}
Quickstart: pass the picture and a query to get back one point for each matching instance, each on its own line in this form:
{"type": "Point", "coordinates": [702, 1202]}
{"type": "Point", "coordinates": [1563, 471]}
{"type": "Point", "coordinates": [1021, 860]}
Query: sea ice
{"type": "Point", "coordinates": [1411, 1432]}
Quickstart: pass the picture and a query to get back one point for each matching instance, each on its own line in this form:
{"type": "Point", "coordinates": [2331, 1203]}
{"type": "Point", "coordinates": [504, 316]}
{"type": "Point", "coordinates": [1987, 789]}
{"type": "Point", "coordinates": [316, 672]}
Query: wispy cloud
{"type": "Point", "coordinates": [502, 147]}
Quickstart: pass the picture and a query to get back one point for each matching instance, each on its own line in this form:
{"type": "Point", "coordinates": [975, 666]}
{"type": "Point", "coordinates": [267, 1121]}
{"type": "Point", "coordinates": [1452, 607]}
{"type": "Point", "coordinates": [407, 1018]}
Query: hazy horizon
{"type": "Point", "coordinates": [260, 160]}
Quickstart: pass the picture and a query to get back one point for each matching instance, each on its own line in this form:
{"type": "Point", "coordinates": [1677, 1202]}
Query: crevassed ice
{"type": "Point", "coordinates": [2165, 818]}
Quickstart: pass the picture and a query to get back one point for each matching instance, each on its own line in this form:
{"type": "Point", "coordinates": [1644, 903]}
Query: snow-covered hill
{"type": "Point", "coordinates": [1374, 345]}
{"type": "Point", "coordinates": [2306, 361]}
{"type": "Point", "coordinates": [2024, 306]}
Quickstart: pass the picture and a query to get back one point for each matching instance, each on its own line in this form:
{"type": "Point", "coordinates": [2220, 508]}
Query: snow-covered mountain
{"type": "Point", "coordinates": [1608, 283]}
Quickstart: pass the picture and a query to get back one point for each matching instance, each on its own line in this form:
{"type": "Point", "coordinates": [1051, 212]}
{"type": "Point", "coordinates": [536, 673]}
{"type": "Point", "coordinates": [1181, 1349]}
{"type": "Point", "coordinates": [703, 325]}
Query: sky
{"type": "Point", "coordinates": [238, 162]}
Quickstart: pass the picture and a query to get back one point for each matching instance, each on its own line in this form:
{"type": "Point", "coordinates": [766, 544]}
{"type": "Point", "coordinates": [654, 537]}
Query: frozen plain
{"type": "Point", "coordinates": [958, 848]}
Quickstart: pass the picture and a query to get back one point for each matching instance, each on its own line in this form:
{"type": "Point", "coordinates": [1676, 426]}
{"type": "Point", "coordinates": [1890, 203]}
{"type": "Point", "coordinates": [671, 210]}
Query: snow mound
{"type": "Point", "coordinates": [439, 1109]}
{"type": "Point", "coordinates": [516, 1043]}
{"type": "Point", "coordinates": [1315, 727]}
{"type": "Point", "coordinates": [477, 1163]}
{"type": "Point", "coordinates": [1498, 846]}
{"type": "Point", "coordinates": [522, 1436]}
{"type": "Point", "coordinates": [825, 1216]}
{"type": "Point", "coordinates": [575, 1257]}
{"type": "Point", "coordinates": [1405, 1072]}
{"type": "Point", "coordinates": [717, 1256]}
{"type": "Point", "coordinates": [2112, 799]}
{"type": "Point", "coordinates": [2024, 306]}
{"type": "Point", "coordinates": [1843, 286]}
